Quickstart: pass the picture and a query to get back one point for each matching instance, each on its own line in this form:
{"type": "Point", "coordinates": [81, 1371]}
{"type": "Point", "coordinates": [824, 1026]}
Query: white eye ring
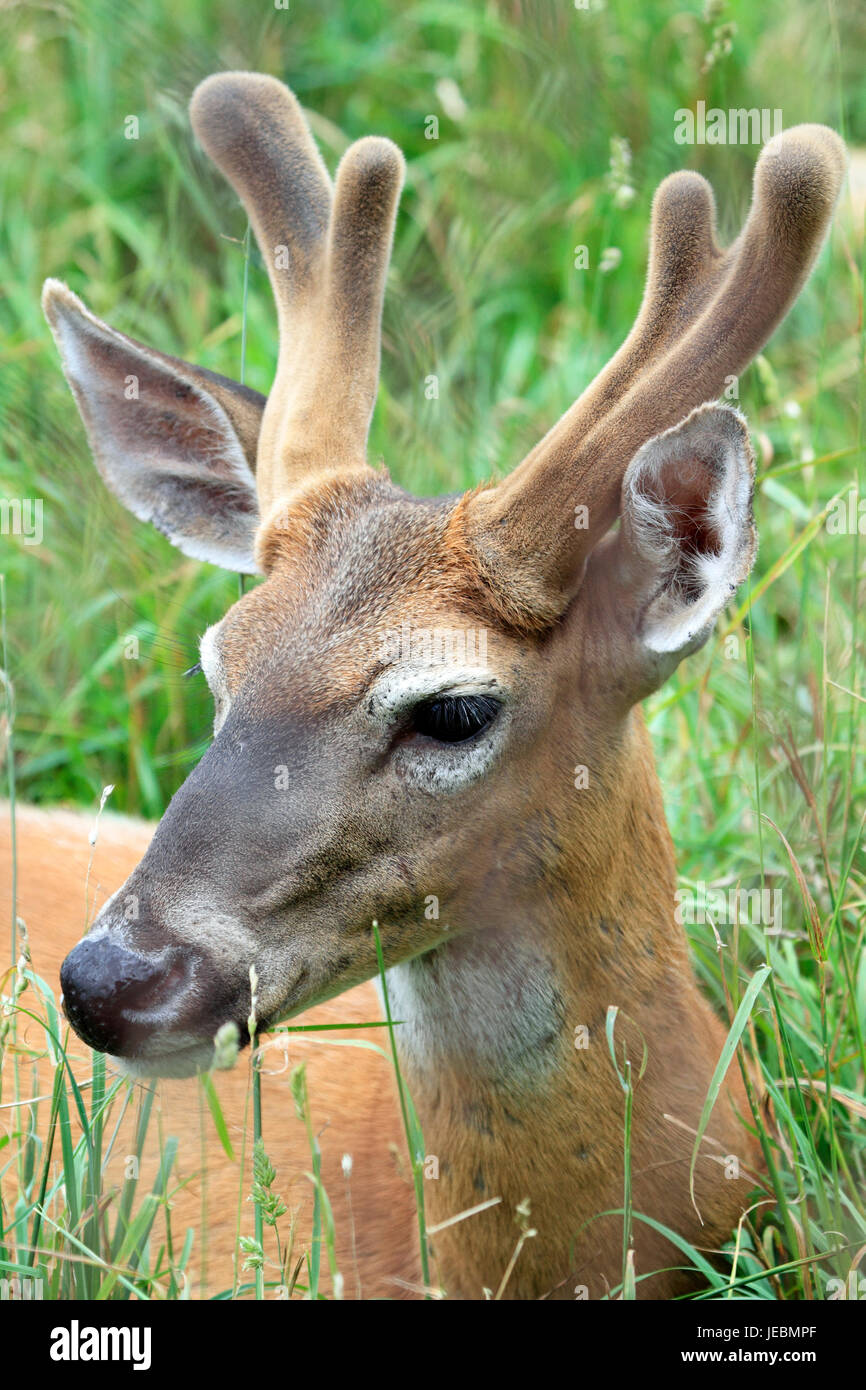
{"type": "Point", "coordinates": [214, 672]}
{"type": "Point", "coordinates": [221, 709]}
{"type": "Point", "coordinates": [431, 766]}
{"type": "Point", "coordinates": [441, 768]}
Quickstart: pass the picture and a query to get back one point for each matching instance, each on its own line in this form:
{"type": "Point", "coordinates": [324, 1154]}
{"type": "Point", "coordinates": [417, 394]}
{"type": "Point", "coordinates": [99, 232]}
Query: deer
{"type": "Point", "coordinates": [362, 794]}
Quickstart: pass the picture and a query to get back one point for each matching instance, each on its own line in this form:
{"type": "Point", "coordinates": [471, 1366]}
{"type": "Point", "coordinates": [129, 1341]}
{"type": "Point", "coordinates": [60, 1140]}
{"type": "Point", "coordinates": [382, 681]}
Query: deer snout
{"type": "Point", "coordinates": [109, 992]}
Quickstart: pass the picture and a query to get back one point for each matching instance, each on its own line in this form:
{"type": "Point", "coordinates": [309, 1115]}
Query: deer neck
{"type": "Point", "coordinates": [502, 1044]}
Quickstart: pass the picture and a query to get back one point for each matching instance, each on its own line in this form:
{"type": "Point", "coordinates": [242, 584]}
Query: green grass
{"type": "Point", "coordinates": [759, 737]}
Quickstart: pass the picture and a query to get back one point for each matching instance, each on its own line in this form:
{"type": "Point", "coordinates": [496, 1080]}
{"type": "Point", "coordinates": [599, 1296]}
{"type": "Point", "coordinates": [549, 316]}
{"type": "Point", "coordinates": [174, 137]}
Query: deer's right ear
{"type": "Point", "coordinates": [175, 443]}
{"type": "Point", "coordinates": [686, 540]}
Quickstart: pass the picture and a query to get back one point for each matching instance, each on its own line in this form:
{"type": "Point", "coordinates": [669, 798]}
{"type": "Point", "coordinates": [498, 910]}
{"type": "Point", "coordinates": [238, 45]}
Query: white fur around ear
{"type": "Point", "coordinates": [687, 525]}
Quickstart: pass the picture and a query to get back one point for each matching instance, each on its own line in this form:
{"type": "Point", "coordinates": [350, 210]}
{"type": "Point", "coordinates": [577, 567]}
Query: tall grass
{"type": "Point", "coordinates": [758, 738]}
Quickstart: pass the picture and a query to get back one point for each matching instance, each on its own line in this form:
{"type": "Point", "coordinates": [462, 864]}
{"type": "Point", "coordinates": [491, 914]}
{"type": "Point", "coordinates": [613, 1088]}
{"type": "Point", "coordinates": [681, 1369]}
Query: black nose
{"type": "Point", "coordinates": [106, 990]}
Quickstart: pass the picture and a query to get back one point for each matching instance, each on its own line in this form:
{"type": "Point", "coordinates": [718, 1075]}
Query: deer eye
{"type": "Point", "coordinates": [454, 718]}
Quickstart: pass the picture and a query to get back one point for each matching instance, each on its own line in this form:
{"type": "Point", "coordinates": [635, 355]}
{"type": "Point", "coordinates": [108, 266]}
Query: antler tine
{"type": "Point", "coordinates": [327, 253]}
{"type": "Point", "coordinates": [368, 184]}
{"type": "Point", "coordinates": [326, 386]}
{"type": "Point", "coordinates": [253, 129]}
{"type": "Point", "coordinates": [685, 268]}
{"type": "Point", "coordinates": [704, 315]}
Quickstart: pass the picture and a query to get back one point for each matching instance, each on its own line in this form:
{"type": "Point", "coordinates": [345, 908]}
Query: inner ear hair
{"type": "Point", "coordinates": [688, 535]}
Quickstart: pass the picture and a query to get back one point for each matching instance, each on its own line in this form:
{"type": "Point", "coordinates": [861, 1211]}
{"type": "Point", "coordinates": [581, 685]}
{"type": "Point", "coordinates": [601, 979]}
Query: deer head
{"type": "Point", "coordinates": [366, 759]}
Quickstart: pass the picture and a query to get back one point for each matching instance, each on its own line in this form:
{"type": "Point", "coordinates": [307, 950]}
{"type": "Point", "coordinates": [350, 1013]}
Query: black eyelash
{"type": "Point", "coordinates": [193, 670]}
{"type": "Point", "coordinates": [454, 718]}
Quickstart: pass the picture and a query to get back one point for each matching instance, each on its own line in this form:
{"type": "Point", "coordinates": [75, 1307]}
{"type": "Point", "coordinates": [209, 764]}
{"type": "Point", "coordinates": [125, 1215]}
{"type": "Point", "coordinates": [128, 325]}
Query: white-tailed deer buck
{"type": "Point", "coordinates": [354, 779]}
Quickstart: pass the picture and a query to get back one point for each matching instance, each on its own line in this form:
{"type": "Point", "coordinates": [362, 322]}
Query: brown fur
{"type": "Point", "coordinates": [583, 882]}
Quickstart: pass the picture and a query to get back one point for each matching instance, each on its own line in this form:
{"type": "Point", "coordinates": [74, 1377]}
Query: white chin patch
{"type": "Point", "coordinates": [187, 1061]}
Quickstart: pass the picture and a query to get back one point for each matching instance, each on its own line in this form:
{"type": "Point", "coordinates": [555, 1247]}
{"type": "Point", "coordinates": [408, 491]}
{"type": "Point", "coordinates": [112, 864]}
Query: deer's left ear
{"type": "Point", "coordinates": [687, 537]}
{"type": "Point", "coordinates": [176, 443]}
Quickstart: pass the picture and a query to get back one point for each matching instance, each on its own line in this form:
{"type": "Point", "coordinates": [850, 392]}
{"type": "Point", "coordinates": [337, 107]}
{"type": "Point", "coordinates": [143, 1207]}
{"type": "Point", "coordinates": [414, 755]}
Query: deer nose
{"type": "Point", "coordinates": [107, 990]}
